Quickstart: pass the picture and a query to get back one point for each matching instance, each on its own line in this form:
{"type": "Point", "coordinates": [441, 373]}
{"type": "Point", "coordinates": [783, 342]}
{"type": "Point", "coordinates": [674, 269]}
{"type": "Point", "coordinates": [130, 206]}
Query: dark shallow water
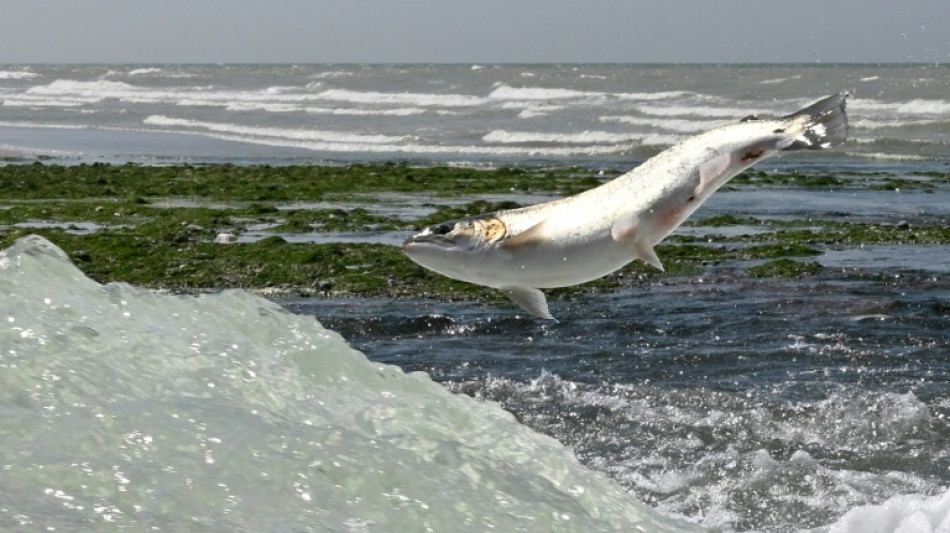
{"type": "Point", "coordinates": [745, 404]}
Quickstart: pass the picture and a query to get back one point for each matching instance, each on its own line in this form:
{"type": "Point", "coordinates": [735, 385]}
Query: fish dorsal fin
{"type": "Point", "coordinates": [627, 230]}
{"type": "Point", "coordinates": [530, 299]}
{"type": "Point", "coordinates": [532, 236]}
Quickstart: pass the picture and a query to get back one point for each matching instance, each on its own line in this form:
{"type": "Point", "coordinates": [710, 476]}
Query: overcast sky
{"type": "Point", "coordinates": [476, 31]}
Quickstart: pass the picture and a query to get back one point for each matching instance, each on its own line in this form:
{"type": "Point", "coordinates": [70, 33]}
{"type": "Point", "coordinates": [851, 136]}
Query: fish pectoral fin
{"type": "Point", "coordinates": [532, 236]}
{"type": "Point", "coordinates": [712, 169]}
{"type": "Point", "coordinates": [625, 228]}
{"type": "Point", "coordinates": [530, 299]}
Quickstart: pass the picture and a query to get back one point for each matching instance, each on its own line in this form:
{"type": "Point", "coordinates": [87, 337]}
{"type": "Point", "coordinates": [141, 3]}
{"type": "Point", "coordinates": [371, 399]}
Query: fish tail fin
{"type": "Point", "coordinates": [827, 124]}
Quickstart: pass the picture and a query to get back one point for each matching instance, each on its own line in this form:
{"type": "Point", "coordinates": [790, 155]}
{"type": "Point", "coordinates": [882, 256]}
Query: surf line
{"type": "Point", "coordinates": [584, 237]}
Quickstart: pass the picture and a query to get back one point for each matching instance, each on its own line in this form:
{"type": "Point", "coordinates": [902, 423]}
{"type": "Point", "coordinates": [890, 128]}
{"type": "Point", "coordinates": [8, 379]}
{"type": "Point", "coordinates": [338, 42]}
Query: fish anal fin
{"type": "Point", "coordinates": [530, 299]}
{"type": "Point", "coordinates": [530, 237]}
{"type": "Point", "coordinates": [627, 230]}
{"type": "Point", "coordinates": [647, 254]}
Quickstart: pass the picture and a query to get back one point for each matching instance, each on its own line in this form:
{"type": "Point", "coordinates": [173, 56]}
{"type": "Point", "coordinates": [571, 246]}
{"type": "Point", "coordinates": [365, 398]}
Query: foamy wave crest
{"type": "Point", "coordinates": [870, 124]}
{"type": "Point", "coordinates": [925, 107]}
{"type": "Point", "coordinates": [700, 111]}
{"type": "Point", "coordinates": [661, 95]}
{"type": "Point", "coordinates": [274, 99]}
{"type": "Point", "coordinates": [912, 107]}
{"type": "Point", "coordinates": [506, 92]}
{"type": "Point", "coordinates": [900, 514]}
{"type": "Point", "coordinates": [127, 409]}
{"type": "Point", "coordinates": [677, 125]}
{"type": "Point", "coordinates": [332, 74]}
{"type": "Point", "coordinates": [885, 156]}
{"type": "Point", "coordinates": [870, 106]}
{"type": "Point", "coordinates": [145, 71]}
{"type": "Point", "coordinates": [294, 107]}
{"type": "Point", "coordinates": [775, 81]}
{"type": "Point", "coordinates": [584, 137]}
{"type": "Point", "coordinates": [22, 100]}
{"type": "Point", "coordinates": [538, 111]}
{"type": "Point", "coordinates": [418, 99]}
{"type": "Point", "coordinates": [12, 124]}
{"type": "Point", "coordinates": [280, 133]}
{"type": "Point", "coordinates": [326, 141]}
{"type": "Point", "coordinates": [99, 89]}
{"type": "Point", "coordinates": [17, 75]}
{"type": "Point", "coordinates": [731, 460]}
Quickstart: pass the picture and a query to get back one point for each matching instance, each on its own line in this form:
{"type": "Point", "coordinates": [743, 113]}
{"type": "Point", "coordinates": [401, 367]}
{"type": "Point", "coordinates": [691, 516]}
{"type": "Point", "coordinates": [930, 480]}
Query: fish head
{"type": "Point", "coordinates": [450, 246]}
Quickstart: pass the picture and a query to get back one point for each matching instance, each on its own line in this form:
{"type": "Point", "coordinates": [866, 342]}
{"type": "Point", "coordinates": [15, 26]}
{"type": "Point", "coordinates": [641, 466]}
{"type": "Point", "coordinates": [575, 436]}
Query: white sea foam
{"type": "Point", "coordinates": [701, 111]}
{"type": "Point", "coordinates": [27, 100]}
{"type": "Point", "coordinates": [127, 409]}
{"type": "Point", "coordinates": [332, 74]}
{"type": "Point", "coordinates": [868, 124]}
{"type": "Point", "coordinates": [145, 71]}
{"type": "Point", "coordinates": [774, 81]}
{"type": "Point", "coordinates": [887, 156]}
{"type": "Point", "coordinates": [900, 514]}
{"type": "Point", "coordinates": [96, 89]}
{"type": "Point", "coordinates": [307, 135]}
{"type": "Point", "coordinates": [275, 98]}
{"type": "Point", "coordinates": [292, 106]}
{"type": "Point", "coordinates": [583, 137]}
{"type": "Point", "coordinates": [925, 107]}
{"type": "Point", "coordinates": [872, 106]}
{"type": "Point", "coordinates": [417, 99]}
{"type": "Point", "coordinates": [13, 124]}
{"type": "Point", "coordinates": [443, 114]}
{"type": "Point", "coordinates": [18, 75]}
{"type": "Point", "coordinates": [596, 138]}
{"type": "Point", "coordinates": [538, 111]}
{"type": "Point", "coordinates": [328, 141]}
{"type": "Point", "coordinates": [740, 484]}
{"type": "Point", "coordinates": [507, 92]}
{"type": "Point", "coordinates": [669, 124]}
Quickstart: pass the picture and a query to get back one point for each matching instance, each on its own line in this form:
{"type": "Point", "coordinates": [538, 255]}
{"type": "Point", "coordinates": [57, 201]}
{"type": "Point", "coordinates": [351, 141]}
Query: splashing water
{"type": "Point", "coordinates": [123, 408]}
{"type": "Point", "coordinates": [129, 409]}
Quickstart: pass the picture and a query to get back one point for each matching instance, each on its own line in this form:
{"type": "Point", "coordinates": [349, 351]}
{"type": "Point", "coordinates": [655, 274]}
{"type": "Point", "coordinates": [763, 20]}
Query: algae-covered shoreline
{"type": "Point", "coordinates": [331, 231]}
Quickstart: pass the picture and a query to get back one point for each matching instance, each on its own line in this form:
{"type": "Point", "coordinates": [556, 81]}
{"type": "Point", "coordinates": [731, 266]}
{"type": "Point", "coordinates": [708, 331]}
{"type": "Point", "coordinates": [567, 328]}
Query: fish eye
{"type": "Point", "coordinates": [440, 229]}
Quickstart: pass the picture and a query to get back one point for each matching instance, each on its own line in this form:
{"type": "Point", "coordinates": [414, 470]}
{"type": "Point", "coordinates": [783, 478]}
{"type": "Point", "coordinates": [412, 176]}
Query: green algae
{"type": "Point", "coordinates": [158, 224]}
{"type": "Point", "coordinates": [763, 177]}
{"type": "Point", "coordinates": [262, 183]}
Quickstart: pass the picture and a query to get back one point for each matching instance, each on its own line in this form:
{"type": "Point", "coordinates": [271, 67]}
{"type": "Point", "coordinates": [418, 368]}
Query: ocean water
{"type": "Point", "coordinates": [718, 401]}
{"type": "Point", "coordinates": [576, 114]}
{"type": "Point", "coordinates": [126, 409]}
{"type": "Point", "coordinates": [129, 410]}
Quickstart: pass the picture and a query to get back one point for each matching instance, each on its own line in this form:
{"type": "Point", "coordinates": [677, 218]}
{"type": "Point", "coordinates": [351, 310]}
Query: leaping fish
{"type": "Point", "coordinates": [589, 235]}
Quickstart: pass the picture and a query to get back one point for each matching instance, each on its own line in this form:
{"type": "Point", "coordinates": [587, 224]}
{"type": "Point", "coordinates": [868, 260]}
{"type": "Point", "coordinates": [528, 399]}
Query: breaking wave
{"type": "Point", "coordinates": [124, 408]}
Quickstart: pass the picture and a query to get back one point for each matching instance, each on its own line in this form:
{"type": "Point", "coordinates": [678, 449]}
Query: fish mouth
{"type": "Point", "coordinates": [438, 240]}
{"type": "Point", "coordinates": [440, 235]}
